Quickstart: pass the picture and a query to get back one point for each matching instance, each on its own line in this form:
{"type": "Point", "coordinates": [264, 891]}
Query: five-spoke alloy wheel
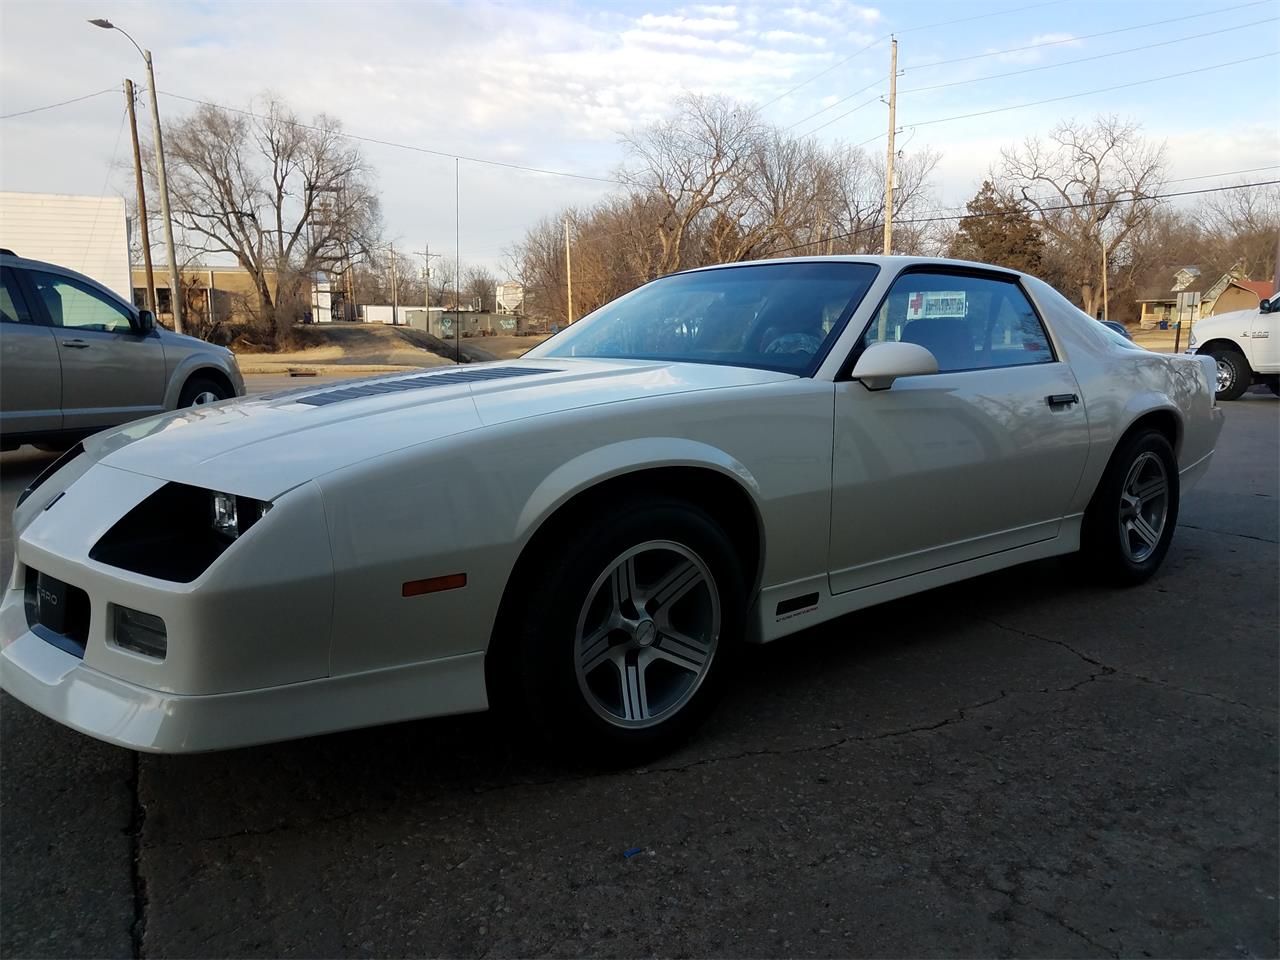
{"type": "Point", "coordinates": [617, 644]}
{"type": "Point", "coordinates": [1130, 521]}
{"type": "Point", "coordinates": [647, 633]}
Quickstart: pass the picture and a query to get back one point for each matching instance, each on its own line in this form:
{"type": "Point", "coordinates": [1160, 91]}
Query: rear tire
{"type": "Point", "coordinates": [1130, 520]}
{"type": "Point", "coordinates": [198, 391]}
{"type": "Point", "coordinates": [625, 633]}
{"type": "Point", "coordinates": [1234, 375]}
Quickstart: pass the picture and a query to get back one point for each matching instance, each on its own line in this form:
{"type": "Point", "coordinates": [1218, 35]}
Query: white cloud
{"type": "Point", "coordinates": [684, 41]}
{"type": "Point", "coordinates": [652, 21]}
{"type": "Point", "coordinates": [809, 18]}
{"type": "Point", "coordinates": [715, 10]}
{"type": "Point", "coordinates": [790, 36]}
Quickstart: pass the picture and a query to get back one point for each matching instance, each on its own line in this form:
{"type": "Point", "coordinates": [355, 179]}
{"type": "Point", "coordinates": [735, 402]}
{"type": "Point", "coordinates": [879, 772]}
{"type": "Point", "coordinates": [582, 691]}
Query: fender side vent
{"type": "Point", "coordinates": [377, 388]}
{"type": "Point", "coordinates": [796, 603]}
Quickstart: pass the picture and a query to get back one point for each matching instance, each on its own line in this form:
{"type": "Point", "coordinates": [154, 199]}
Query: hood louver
{"type": "Point", "coordinates": [376, 388]}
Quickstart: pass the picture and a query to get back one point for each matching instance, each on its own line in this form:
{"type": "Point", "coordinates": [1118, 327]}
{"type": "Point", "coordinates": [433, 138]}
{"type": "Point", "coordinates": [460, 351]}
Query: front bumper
{"type": "Point", "coordinates": [61, 687]}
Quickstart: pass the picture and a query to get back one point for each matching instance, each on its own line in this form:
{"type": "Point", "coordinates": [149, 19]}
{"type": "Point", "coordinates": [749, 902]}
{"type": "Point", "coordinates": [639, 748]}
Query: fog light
{"type": "Point", "coordinates": [140, 632]}
{"type": "Point", "coordinates": [226, 519]}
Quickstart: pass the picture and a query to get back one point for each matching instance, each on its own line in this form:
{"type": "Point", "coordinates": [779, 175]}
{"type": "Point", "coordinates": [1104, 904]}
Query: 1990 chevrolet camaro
{"type": "Point", "coordinates": [722, 456]}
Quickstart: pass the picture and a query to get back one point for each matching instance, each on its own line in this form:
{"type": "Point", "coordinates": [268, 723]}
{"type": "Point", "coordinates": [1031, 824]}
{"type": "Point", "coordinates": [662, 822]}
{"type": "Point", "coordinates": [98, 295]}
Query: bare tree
{"type": "Point", "coordinates": [1240, 228]}
{"type": "Point", "coordinates": [1083, 184]}
{"type": "Point", "coordinates": [688, 165]}
{"type": "Point", "coordinates": [284, 198]}
{"type": "Point", "coordinates": [479, 287]}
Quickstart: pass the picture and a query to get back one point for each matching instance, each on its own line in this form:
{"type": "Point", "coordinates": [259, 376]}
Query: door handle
{"type": "Point", "coordinates": [75, 344]}
{"type": "Point", "coordinates": [1061, 399]}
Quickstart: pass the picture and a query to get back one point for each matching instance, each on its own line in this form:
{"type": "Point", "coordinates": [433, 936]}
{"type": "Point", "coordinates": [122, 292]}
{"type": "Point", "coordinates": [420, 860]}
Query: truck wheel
{"type": "Point", "coordinates": [1234, 375]}
{"type": "Point", "coordinates": [1129, 523]}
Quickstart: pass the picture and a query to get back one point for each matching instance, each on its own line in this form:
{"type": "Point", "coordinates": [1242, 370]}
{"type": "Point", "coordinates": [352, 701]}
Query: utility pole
{"type": "Point", "coordinates": [142, 198]}
{"type": "Point", "coordinates": [568, 271]}
{"type": "Point", "coordinates": [395, 292]}
{"type": "Point", "coordinates": [426, 255]}
{"type": "Point", "coordinates": [175, 282]}
{"type": "Point", "coordinates": [888, 173]}
{"type": "Point", "coordinates": [1103, 236]}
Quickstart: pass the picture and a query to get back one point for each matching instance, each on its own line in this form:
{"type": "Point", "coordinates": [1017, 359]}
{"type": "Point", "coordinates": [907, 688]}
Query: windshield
{"type": "Point", "coordinates": [776, 316]}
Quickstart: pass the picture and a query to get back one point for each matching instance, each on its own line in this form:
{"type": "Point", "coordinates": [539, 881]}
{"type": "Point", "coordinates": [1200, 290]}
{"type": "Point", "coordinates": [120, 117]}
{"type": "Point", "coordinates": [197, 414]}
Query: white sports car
{"type": "Point", "coordinates": [722, 456]}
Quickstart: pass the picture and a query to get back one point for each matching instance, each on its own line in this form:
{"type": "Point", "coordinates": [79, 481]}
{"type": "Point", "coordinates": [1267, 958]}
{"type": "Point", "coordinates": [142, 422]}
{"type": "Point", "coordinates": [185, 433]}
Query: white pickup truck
{"type": "Point", "coordinates": [1246, 346]}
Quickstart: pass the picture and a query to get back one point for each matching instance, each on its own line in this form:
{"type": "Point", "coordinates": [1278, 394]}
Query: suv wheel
{"type": "Point", "coordinates": [198, 391]}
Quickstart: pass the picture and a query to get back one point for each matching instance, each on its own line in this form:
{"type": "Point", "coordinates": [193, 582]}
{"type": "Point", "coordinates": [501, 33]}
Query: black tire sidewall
{"type": "Point", "coordinates": [546, 673]}
{"type": "Point", "coordinates": [1102, 537]}
{"type": "Point", "coordinates": [198, 385]}
{"type": "Point", "coordinates": [1243, 376]}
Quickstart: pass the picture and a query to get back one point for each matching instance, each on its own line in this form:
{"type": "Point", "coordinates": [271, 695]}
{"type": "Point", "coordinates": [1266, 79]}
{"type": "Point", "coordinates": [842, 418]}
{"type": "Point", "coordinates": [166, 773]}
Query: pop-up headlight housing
{"type": "Point", "coordinates": [177, 532]}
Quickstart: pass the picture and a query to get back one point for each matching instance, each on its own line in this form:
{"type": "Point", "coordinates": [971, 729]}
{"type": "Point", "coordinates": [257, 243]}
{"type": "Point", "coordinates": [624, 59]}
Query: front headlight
{"type": "Point", "coordinates": [234, 515]}
{"type": "Point", "coordinates": [1191, 339]}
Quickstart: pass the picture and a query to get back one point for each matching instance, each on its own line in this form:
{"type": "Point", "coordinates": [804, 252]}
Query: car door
{"type": "Point", "coordinates": [1265, 341]}
{"type": "Point", "coordinates": [30, 374]}
{"type": "Point", "coordinates": [112, 371]}
{"type": "Point", "coordinates": [981, 457]}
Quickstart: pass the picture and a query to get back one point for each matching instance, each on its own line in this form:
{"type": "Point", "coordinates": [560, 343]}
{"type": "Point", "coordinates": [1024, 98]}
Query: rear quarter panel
{"type": "Point", "coordinates": [1120, 384]}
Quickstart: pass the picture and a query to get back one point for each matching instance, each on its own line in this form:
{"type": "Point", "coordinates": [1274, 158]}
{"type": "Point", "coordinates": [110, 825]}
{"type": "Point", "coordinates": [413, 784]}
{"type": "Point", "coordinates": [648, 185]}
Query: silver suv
{"type": "Point", "coordinates": [75, 358]}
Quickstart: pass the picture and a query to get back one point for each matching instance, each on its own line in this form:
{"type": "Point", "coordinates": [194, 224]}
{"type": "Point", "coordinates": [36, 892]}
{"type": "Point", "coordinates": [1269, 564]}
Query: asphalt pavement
{"type": "Point", "coordinates": [1020, 765]}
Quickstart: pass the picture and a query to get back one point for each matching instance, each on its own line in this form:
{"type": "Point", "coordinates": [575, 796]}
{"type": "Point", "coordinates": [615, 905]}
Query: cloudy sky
{"type": "Point", "coordinates": [553, 84]}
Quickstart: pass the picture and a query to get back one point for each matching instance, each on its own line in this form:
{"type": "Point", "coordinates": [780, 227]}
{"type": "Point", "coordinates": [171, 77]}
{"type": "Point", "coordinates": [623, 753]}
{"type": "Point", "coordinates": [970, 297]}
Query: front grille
{"type": "Point", "coordinates": [57, 612]}
{"type": "Point", "coordinates": [374, 388]}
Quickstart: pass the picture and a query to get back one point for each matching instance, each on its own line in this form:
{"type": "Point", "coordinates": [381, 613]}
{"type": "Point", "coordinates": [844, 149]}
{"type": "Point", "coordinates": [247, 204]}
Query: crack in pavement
{"type": "Point", "coordinates": [1228, 533]}
{"type": "Point", "coordinates": [1106, 669]}
{"type": "Point", "coordinates": [138, 929]}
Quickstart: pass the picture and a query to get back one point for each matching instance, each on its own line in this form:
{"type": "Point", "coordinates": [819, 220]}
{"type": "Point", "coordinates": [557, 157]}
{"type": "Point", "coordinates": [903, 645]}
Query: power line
{"type": "Point", "coordinates": [874, 83]}
{"type": "Point", "coordinates": [1086, 93]}
{"type": "Point", "coordinates": [1041, 210]}
{"type": "Point", "coordinates": [1100, 56]}
{"type": "Point", "coordinates": [1090, 36]}
{"type": "Point", "coordinates": [924, 26]}
{"type": "Point", "coordinates": [865, 103]}
{"type": "Point", "coordinates": [61, 103]}
{"type": "Point", "coordinates": [401, 146]}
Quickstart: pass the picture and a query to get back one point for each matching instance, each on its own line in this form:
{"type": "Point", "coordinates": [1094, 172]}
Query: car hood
{"type": "Point", "coordinates": [263, 446]}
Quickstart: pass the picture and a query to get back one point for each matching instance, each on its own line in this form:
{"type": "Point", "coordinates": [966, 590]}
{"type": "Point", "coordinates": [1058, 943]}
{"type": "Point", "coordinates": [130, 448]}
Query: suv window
{"type": "Point", "coordinates": [13, 308]}
{"type": "Point", "coordinates": [78, 306]}
{"type": "Point", "coordinates": [967, 323]}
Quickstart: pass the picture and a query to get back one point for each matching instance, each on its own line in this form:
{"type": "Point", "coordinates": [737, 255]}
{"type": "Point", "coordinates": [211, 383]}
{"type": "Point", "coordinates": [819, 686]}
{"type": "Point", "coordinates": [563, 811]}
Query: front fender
{"type": "Point", "coordinates": [192, 364]}
{"type": "Point", "coordinates": [615, 459]}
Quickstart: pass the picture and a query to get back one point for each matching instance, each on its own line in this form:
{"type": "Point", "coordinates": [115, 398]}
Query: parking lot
{"type": "Point", "coordinates": [1024, 764]}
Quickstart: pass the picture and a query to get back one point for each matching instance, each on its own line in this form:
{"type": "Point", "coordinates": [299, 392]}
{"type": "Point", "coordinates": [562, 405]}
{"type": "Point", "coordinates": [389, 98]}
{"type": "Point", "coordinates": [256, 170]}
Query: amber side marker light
{"type": "Point", "coordinates": [416, 588]}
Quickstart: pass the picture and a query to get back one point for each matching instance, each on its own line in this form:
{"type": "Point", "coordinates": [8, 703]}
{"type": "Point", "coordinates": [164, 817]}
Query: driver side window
{"type": "Point", "coordinates": [76, 306]}
{"type": "Point", "coordinates": [967, 323]}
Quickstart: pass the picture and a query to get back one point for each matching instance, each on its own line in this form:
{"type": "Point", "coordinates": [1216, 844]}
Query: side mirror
{"type": "Point", "coordinates": [882, 363]}
{"type": "Point", "coordinates": [1266, 306]}
{"type": "Point", "coordinates": [146, 321]}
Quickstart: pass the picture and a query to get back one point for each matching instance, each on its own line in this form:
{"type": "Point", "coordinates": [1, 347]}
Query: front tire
{"type": "Point", "coordinates": [198, 391]}
{"type": "Point", "coordinates": [1129, 523]}
{"type": "Point", "coordinates": [625, 635]}
{"type": "Point", "coordinates": [1234, 375]}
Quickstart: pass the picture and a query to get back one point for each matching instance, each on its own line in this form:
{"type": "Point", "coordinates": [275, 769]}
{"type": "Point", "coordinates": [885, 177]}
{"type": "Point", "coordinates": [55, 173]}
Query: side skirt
{"type": "Point", "coordinates": [767, 623]}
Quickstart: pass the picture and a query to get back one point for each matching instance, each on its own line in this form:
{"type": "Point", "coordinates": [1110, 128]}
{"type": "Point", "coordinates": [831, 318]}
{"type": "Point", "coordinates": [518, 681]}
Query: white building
{"type": "Point", "coordinates": [510, 296]}
{"type": "Point", "coordinates": [88, 234]}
